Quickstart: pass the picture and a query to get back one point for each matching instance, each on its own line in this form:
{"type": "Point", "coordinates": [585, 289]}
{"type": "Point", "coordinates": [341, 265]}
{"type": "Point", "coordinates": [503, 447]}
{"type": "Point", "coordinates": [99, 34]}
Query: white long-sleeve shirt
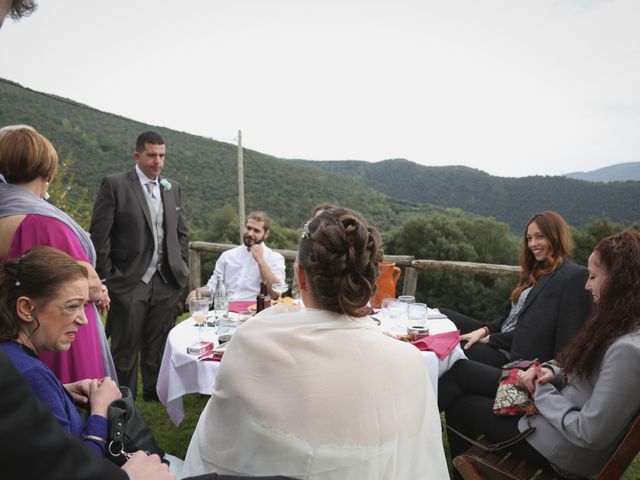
{"type": "Point", "coordinates": [241, 273]}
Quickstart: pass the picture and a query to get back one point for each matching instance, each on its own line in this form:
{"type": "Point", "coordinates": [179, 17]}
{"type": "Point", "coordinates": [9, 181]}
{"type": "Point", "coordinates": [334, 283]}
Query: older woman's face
{"type": "Point", "coordinates": [61, 318]}
{"type": "Point", "coordinates": [597, 276]}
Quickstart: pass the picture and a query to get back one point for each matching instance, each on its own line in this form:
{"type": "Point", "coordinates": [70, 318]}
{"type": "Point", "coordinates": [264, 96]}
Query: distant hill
{"type": "Point", "coordinates": [103, 143]}
{"type": "Point", "coordinates": [511, 200]}
{"type": "Point", "coordinates": [386, 192]}
{"type": "Point", "coordinates": [619, 172]}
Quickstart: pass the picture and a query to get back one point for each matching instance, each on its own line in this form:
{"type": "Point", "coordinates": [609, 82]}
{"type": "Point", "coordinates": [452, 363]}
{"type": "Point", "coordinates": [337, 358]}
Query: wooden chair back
{"type": "Point", "coordinates": [478, 464]}
{"type": "Point", "coordinates": [624, 454]}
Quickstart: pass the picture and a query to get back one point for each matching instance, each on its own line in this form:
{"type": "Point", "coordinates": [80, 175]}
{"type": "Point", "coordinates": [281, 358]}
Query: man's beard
{"type": "Point", "coordinates": [249, 245]}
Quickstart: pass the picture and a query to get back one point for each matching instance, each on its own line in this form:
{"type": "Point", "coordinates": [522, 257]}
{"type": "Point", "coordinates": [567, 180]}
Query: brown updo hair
{"type": "Point", "coordinates": [39, 274]}
{"type": "Point", "coordinates": [340, 255]}
{"type": "Point", "coordinates": [26, 155]}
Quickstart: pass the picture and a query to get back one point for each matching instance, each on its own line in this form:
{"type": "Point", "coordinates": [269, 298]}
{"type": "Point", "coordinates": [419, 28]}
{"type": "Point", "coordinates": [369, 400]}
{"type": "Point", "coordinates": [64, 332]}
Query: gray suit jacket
{"type": "Point", "coordinates": [122, 234]}
{"type": "Point", "coordinates": [579, 427]}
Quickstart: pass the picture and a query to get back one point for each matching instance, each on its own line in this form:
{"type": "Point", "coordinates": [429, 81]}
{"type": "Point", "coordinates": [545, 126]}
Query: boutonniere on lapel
{"type": "Point", "coordinates": [166, 184]}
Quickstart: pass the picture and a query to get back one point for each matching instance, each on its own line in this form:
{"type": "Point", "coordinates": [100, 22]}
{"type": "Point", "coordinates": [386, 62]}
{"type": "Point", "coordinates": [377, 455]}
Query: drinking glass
{"type": "Point", "coordinates": [384, 306]}
{"type": "Point", "coordinates": [198, 308]}
{"type": "Point", "coordinates": [407, 299]}
{"type": "Point", "coordinates": [397, 309]}
{"type": "Point", "coordinates": [280, 288]}
{"type": "Point", "coordinates": [417, 314]}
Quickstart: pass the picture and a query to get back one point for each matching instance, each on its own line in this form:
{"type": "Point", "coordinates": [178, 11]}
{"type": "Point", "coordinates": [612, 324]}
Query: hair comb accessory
{"type": "Point", "coordinates": [305, 230]}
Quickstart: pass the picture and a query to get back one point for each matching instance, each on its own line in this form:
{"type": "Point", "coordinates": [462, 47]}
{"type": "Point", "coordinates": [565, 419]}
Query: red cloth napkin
{"type": "Point", "coordinates": [211, 357]}
{"type": "Point", "coordinates": [240, 305]}
{"type": "Point", "coordinates": [441, 344]}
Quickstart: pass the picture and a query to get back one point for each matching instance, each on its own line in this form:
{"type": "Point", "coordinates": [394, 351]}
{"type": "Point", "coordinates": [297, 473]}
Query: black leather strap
{"type": "Point", "coordinates": [494, 447]}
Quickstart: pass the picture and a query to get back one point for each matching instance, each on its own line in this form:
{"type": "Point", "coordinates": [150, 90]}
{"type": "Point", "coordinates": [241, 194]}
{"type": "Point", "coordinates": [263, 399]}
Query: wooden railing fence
{"type": "Point", "coordinates": [409, 265]}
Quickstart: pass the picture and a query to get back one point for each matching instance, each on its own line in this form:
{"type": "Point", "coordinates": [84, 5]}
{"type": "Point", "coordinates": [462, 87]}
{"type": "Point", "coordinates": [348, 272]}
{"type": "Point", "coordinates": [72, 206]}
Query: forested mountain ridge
{"type": "Point", "coordinates": [102, 143]}
{"type": "Point", "coordinates": [511, 200]}
{"type": "Point", "coordinates": [386, 192]}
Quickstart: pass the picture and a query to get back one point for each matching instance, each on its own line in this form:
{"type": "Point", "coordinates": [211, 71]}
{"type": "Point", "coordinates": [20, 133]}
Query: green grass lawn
{"type": "Point", "coordinates": [172, 439]}
{"type": "Point", "coordinates": [175, 440]}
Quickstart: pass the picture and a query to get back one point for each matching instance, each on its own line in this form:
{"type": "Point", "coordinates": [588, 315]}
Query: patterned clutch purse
{"type": "Point", "coordinates": [512, 399]}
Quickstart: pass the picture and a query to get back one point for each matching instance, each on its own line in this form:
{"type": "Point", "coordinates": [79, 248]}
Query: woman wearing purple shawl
{"type": "Point", "coordinates": [28, 162]}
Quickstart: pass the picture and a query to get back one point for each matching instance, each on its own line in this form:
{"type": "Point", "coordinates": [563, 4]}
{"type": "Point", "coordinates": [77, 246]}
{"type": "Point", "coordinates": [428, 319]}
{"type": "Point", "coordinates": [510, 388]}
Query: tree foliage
{"type": "Point", "coordinates": [586, 238]}
{"type": "Point", "coordinates": [510, 200]}
{"type": "Point", "coordinates": [68, 196]}
{"type": "Point", "coordinates": [437, 237]}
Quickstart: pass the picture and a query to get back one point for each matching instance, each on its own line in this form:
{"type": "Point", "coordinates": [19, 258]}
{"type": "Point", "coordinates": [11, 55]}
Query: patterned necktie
{"type": "Point", "coordinates": [149, 186]}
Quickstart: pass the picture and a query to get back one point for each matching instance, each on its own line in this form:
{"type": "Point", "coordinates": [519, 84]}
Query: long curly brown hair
{"type": "Point", "coordinates": [552, 226]}
{"type": "Point", "coordinates": [618, 309]}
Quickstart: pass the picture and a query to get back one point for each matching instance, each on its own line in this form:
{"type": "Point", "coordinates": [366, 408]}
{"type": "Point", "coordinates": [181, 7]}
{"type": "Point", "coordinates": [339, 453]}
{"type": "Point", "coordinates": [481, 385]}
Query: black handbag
{"type": "Point", "coordinates": [128, 432]}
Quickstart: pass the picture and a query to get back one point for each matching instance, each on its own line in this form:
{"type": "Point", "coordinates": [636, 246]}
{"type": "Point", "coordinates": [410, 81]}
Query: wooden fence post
{"type": "Point", "coordinates": [410, 281]}
{"type": "Point", "coordinates": [194, 269]}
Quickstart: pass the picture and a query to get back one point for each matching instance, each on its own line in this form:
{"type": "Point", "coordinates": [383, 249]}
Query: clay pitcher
{"type": "Point", "coordinates": [389, 275]}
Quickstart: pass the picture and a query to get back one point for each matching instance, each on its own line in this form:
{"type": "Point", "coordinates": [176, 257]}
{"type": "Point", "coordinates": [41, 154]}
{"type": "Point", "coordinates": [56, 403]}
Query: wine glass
{"type": "Point", "coordinates": [280, 288]}
{"type": "Point", "coordinates": [198, 308]}
{"type": "Point", "coordinates": [205, 292]}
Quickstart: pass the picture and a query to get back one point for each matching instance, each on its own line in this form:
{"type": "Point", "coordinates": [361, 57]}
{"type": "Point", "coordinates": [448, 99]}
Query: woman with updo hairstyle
{"type": "Point", "coordinates": [587, 398]}
{"type": "Point", "coordinates": [42, 299]}
{"type": "Point", "coordinates": [319, 392]}
{"type": "Point", "coordinates": [28, 163]}
{"type": "Point", "coordinates": [340, 261]}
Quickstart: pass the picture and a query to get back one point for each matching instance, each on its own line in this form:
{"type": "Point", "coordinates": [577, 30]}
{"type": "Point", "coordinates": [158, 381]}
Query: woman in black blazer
{"type": "Point", "coordinates": [547, 307]}
{"type": "Point", "coordinates": [587, 400]}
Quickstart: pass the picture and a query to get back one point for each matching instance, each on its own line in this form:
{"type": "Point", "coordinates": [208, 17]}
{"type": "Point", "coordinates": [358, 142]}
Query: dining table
{"type": "Point", "coordinates": [182, 373]}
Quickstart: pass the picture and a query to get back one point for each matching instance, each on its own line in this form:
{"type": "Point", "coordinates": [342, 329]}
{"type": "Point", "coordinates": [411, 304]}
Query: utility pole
{"type": "Point", "coordinates": [240, 186]}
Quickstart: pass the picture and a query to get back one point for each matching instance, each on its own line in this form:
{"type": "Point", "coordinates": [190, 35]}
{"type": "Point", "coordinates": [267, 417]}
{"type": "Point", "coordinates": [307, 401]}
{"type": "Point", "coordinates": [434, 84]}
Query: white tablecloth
{"type": "Point", "coordinates": [181, 373]}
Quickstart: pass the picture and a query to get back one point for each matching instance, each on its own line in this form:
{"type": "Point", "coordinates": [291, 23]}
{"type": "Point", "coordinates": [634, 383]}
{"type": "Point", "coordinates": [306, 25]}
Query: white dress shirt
{"type": "Point", "coordinates": [241, 273]}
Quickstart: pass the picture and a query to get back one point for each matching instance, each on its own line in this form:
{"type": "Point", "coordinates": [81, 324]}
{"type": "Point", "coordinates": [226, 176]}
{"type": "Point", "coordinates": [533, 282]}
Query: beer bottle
{"type": "Point", "coordinates": [267, 297]}
{"type": "Point", "coordinates": [261, 297]}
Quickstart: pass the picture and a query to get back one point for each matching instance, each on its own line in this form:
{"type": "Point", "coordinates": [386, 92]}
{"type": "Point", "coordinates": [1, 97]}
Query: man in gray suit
{"type": "Point", "coordinates": [140, 233]}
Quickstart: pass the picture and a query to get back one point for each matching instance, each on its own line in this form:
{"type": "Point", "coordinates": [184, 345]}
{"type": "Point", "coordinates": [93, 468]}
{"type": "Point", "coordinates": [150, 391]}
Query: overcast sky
{"type": "Point", "coordinates": [511, 87]}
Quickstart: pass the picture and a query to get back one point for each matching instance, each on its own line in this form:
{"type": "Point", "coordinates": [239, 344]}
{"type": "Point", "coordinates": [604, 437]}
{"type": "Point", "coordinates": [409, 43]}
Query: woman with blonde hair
{"type": "Point", "coordinates": [28, 162]}
{"type": "Point", "coordinates": [547, 307]}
